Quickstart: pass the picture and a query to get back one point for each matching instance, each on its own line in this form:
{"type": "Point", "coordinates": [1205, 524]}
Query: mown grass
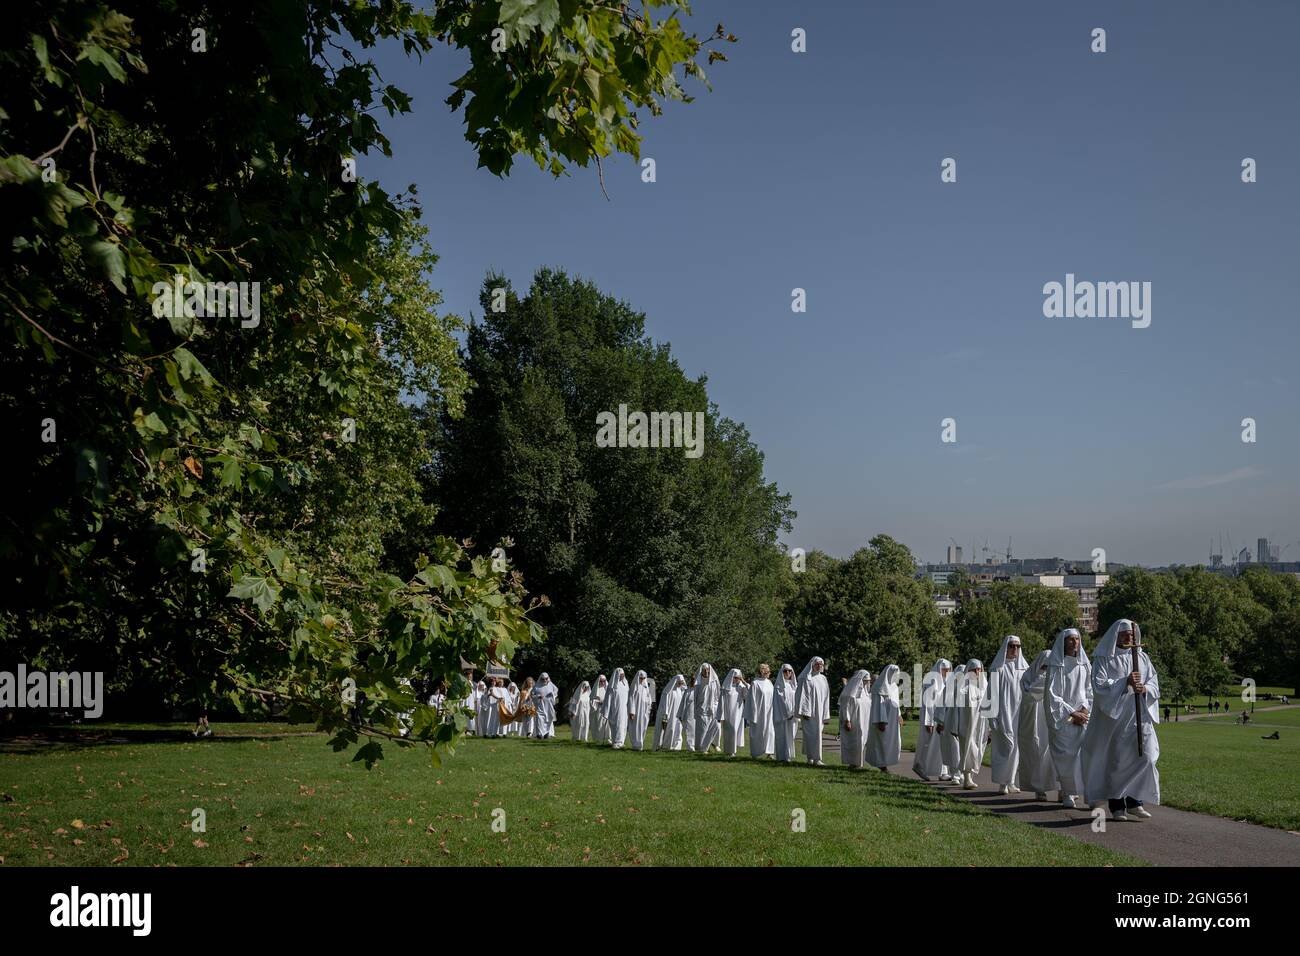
{"type": "Point", "coordinates": [293, 801]}
{"type": "Point", "coordinates": [1213, 765]}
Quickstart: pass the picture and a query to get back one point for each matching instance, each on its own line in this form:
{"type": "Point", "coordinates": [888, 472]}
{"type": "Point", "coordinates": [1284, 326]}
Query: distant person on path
{"type": "Point", "coordinates": [580, 712]}
{"type": "Point", "coordinates": [885, 722]}
{"type": "Point", "coordinates": [929, 762]}
{"type": "Point", "coordinates": [785, 690]}
{"type": "Point", "coordinates": [1069, 709]}
{"type": "Point", "coordinates": [1036, 771]}
{"type": "Point", "coordinates": [1004, 690]}
{"type": "Point", "coordinates": [731, 711]}
{"type": "Point", "coordinates": [814, 708]}
{"type": "Point", "coordinates": [615, 708]}
{"type": "Point", "coordinates": [1113, 770]}
{"type": "Point", "coordinates": [708, 698]}
{"type": "Point", "coordinates": [946, 715]}
{"type": "Point", "coordinates": [758, 714]}
{"type": "Point", "coordinates": [640, 699]}
{"type": "Point", "coordinates": [971, 726]}
{"type": "Point", "coordinates": [1166, 713]}
{"type": "Point", "coordinates": [668, 730]}
{"type": "Point", "coordinates": [855, 708]}
{"type": "Point", "coordinates": [599, 722]}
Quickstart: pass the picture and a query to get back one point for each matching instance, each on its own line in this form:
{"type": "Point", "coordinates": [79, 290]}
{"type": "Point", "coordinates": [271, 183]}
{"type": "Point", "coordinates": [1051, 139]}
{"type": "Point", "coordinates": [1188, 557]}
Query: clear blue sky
{"type": "Point", "coordinates": [821, 170]}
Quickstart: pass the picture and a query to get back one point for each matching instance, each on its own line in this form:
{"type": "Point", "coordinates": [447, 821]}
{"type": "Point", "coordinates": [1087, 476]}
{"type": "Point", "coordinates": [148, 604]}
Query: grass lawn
{"type": "Point", "coordinates": [1212, 765]}
{"type": "Point", "coordinates": [294, 801]}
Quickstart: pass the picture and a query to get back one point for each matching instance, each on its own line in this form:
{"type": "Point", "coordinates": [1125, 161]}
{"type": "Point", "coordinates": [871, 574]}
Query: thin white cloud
{"type": "Point", "coordinates": [1210, 481]}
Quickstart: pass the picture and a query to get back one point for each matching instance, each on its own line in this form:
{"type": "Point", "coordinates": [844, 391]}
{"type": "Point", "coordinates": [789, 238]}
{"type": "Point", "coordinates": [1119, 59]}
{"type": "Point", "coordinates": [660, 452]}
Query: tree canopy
{"type": "Point", "coordinates": [652, 558]}
{"type": "Point", "coordinates": [207, 502]}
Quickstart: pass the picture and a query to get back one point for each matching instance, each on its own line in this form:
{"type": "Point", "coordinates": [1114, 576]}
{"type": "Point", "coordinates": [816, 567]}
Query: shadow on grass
{"type": "Point", "coordinates": [47, 739]}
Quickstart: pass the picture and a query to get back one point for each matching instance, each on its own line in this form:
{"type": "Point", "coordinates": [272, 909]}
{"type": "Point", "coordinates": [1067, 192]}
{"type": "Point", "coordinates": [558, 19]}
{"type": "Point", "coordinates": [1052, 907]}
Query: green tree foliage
{"type": "Point", "coordinates": [1206, 631]}
{"type": "Point", "coordinates": [866, 611]}
{"type": "Point", "coordinates": [652, 559]}
{"type": "Point", "coordinates": [1031, 611]}
{"type": "Point", "coordinates": [208, 141]}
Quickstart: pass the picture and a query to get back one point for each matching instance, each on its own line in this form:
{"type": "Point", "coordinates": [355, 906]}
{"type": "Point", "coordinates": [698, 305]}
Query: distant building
{"type": "Point", "coordinates": [1261, 550]}
{"type": "Point", "coordinates": [945, 605]}
{"type": "Point", "coordinates": [954, 554]}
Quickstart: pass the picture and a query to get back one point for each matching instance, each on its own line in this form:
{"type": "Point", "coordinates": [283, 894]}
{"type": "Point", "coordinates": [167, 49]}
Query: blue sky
{"type": "Point", "coordinates": [821, 170]}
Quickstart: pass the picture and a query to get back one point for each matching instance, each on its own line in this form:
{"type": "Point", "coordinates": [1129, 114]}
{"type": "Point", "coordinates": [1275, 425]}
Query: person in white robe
{"type": "Point", "coordinates": [1069, 711]}
{"type": "Point", "coordinates": [482, 706]}
{"type": "Point", "coordinates": [580, 712]}
{"type": "Point", "coordinates": [946, 714]}
{"type": "Point", "coordinates": [498, 695]}
{"type": "Point", "coordinates": [708, 701]}
{"type": "Point", "coordinates": [1036, 771]}
{"type": "Point", "coordinates": [686, 714]}
{"type": "Point", "coordinates": [928, 763]}
{"type": "Point", "coordinates": [1004, 719]}
{"type": "Point", "coordinates": [813, 705]}
{"type": "Point", "coordinates": [599, 723]}
{"type": "Point", "coordinates": [854, 707]}
{"type": "Point", "coordinates": [970, 724]}
{"type": "Point", "coordinates": [512, 701]}
{"type": "Point", "coordinates": [668, 729]}
{"type": "Point", "coordinates": [731, 711]}
{"type": "Point", "coordinates": [545, 697]}
{"type": "Point", "coordinates": [784, 716]}
{"type": "Point", "coordinates": [758, 714]}
{"type": "Point", "coordinates": [639, 702]}
{"type": "Point", "coordinates": [471, 703]}
{"type": "Point", "coordinates": [885, 721]}
{"type": "Point", "coordinates": [528, 723]}
{"type": "Point", "coordinates": [615, 708]}
{"type": "Point", "coordinates": [1113, 770]}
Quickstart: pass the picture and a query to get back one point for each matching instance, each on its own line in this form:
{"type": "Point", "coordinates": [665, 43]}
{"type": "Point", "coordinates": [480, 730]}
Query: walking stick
{"type": "Point", "coordinates": [1137, 698]}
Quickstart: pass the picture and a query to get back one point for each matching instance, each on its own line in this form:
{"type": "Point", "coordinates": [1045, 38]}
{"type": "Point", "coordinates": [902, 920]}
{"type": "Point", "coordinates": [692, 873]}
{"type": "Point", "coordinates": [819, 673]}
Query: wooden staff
{"type": "Point", "coordinates": [1137, 698]}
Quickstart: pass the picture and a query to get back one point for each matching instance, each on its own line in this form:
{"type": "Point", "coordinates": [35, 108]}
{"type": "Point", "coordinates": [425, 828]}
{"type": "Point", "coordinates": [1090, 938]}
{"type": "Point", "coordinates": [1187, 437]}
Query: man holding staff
{"type": "Point", "coordinates": [1120, 749]}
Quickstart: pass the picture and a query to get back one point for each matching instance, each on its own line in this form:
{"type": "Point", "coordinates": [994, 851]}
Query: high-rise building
{"type": "Point", "coordinates": [954, 554]}
{"type": "Point", "coordinates": [1261, 550]}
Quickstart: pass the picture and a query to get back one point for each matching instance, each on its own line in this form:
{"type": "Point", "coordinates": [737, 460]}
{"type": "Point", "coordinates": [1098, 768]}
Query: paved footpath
{"type": "Point", "coordinates": [1170, 838]}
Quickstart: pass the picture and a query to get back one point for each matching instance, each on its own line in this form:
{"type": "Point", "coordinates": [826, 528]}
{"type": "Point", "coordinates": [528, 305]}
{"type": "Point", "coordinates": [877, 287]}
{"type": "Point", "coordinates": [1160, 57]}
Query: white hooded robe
{"type": "Point", "coordinates": [855, 707]}
{"type": "Point", "coordinates": [615, 708]}
{"type": "Point", "coordinates": [639, 701]}
{"type": "Point", "coordinates": [731, 712]}
{"type": "Point", "coordinates": [885, 747]}
{"type": "Point", "coordinates": [708, 700]}
{"type": "Point", "coordinates": [1112, 767]}
{"type": "Point", "coordinates": [814, 708]}
{"type": "Point", "coordinates": [1069, 688]}
{"type": "Point", "coordinates": [758, 718]}
{"type": "Point", "coordinates": [1004, 720]}
{"type": "Point", "coordinates": [668, 731]}
{"type": "Point", "coordinates": [580, 712]}
{"type": "Point", "coordinates": [1036, 771]}
{"type": "Point", "coordinates": [784, 717]}
{"type": "Point", "coordinates": [929, 760]}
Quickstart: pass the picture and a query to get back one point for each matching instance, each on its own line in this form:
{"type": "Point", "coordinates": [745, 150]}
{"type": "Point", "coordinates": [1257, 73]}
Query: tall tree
{"type": "Point", "coordinates": [654, 557]}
